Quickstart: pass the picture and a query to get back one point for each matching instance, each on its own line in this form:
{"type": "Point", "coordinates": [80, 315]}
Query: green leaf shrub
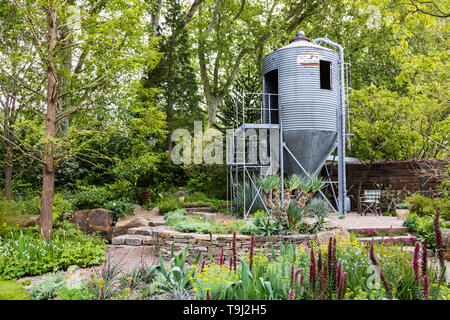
{"type": "Point", "coordinates": [23, 253]}
{"type": "Point", "coordinates": [250, 229]}
{"type": "Point", "coordinates": [266, 226]}
{"type": "Point", "coordinates": [421, 205]}
{"type": "Point", "coordinates": [47, 288]}
{"type": "Point", "coordinates": [194, 225]}
{"type": "Point", "coordinates": [119, 208]}
{"type": "Point", "coordinates": [91, 198]}
{"type": "Point", "coordinates": [178, 273]}
{"type": "Point", "coordinates": [20, 206]}
{"type": "Point", "coordinates": [80, 292]}
{"type": "Point", "coordinates": [169, 204]}
{"type": "Point", "coordinates": [209, 179]}
{"type": "Point", "coordinates": [173, 217]}
{"type": "Point", "coordinates": [423, 226]}
{"type": "Point", "coordinates": [425, 206]}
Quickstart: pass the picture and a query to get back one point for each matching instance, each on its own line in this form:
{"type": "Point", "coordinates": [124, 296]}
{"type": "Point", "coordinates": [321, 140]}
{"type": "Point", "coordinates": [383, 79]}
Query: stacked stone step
{"type": "Point", "coordinates": [136, 237]}
{"type": "Point", "coordinates": [202, 213]}
{"type": "Point", "coordinates": [198, 209]}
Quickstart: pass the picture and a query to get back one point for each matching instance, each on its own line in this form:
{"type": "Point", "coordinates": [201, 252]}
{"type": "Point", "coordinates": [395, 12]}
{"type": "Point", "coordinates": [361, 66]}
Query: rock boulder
{"type": "Point", "coordinates": [141, 218]}
{"type": "Point", "coordinates": [27, 220]}
{"type": "Point", "coordinates": [94, 221]}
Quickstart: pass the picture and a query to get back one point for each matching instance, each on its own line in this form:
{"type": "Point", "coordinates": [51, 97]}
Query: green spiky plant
{"type": "Point", "coordinates": [269, 183]}
{"type": "Point", "coordinates": [298, 190]}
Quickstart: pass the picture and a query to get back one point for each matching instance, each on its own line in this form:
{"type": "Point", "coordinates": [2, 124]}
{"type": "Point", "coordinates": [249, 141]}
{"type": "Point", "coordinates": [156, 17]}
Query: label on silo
{"type": "Point", "coordinates": [309, 59]}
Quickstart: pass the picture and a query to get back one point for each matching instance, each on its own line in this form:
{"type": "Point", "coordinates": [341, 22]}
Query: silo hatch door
{"type": "Point", "coordinates": [271, 97]}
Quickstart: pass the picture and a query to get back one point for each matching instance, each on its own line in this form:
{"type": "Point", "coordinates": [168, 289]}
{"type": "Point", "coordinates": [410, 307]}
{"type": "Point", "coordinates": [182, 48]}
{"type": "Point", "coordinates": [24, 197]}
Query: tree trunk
{"type": "Point", "coordinates": [48, 175]}
{"type": "Point", "coordinates": [8, 170]}
{"type": "Point", "coordinates": [213, 103]}
{"type": "Point", "coordinates": [48, 188]}
{"type": "Point", "coordinates": [146, 196]}
{"type": "Point", "coordinates": [169, 119]}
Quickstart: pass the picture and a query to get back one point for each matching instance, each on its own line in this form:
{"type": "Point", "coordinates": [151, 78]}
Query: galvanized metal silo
{"type": "Point", "coordinates": [304, 79]}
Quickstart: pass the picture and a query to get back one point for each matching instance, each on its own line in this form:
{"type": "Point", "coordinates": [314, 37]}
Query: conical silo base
{"type": "Point", "coordinates": [310, 148]}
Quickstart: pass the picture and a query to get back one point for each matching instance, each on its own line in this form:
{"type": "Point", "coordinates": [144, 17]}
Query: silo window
{"type": "Point", "coordinates": [325, 75]}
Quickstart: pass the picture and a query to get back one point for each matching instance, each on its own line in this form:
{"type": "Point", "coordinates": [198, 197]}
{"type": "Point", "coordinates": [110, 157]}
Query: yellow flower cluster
{"type": "Point", "coordinates": [214, 279]}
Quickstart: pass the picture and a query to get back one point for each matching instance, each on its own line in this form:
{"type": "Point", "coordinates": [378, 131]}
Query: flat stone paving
{"type": "Point", "coordinates": [356, 221]}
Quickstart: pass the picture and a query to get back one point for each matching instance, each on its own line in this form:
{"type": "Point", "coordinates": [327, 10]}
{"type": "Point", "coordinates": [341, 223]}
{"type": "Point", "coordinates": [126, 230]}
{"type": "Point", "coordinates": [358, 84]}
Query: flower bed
{"type": "Point", "coordinates": [23, 253]}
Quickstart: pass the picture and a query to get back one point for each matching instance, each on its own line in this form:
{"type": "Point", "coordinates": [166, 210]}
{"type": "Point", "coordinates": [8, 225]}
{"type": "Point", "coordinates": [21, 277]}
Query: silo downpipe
{"type": "Point", "coordinates": [340, 126]}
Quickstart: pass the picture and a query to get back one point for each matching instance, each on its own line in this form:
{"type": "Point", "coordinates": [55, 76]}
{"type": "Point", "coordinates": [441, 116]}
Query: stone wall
{"type": "Point", "coordinates": [162, 239]}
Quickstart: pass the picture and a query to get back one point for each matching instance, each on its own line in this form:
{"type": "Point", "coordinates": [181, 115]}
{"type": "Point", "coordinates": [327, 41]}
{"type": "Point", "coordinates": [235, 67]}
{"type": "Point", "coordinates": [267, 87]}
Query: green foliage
{"type": "Point", "coordinates": [250, 229]}
{"type": "Point", "coordinates": [315, 183]}
{"type": "Point", "coordinates": [425, 206]}
{"type": "Point", "coordinates": [403, 205]}
{"type": "Point", "coordinates": [207, 178]}
{"type": "Point", "coordinates": [138, 277]}
{"type": "Point", "coordinates": [178, 273]}
{"type": "Point", "coordinates": [266, 225]}
{"type": "Point", "coordinates": [12, 290]}
{"type": "Point", "coordinates": [60, 206]}
{"type": "Point", "coordinates": [173, 217]}
{"type": "Point", "coordinates": [423, 226]}
{"type": "Point", "coordinates": [169, 204]}
{"type": "Point", "coordinates": [80, 292]}
{"type": "Point", "coordinates": [421, 205]}
{"type": "Point", "coordinates": [444, 204]}
{"type": "Point", "coordinates": [249, 287]}
{"type": "Point", "coordinates": [249, 192]}
{"type": "Point", "coordinates": [175, 75]}
{"type": "Point", "coordinates": [319, 209]}
{"type": "Point", "coordinates": [32, 206]}
{"type": "Point", "coordinates": [119, 209]}
{"type": "Point", "coordinates": [102, 282]}
{"type": "Point", "coordinates": [47, 288]}
{"type": "Point", "coordinates": [91, 198]}
{"type": "Point", "coordinates": [268, 183]}
{"type": "Point", "coordinates": [200, 199]}
{"type": "Point", "coordinates": [412, 221]}
{"type": "Point", "coordinates": [183, 224]}
{"type": "Point", "coordinates": [25, 254]}
{"type": "Point", "coordinates": [20, 206]}
{"type": "Point", "coordinates": [194, 225]}
{"type": "Point", "coordinates": [213, 279]}
{"type": "Point", "coordinates": [295, 214]}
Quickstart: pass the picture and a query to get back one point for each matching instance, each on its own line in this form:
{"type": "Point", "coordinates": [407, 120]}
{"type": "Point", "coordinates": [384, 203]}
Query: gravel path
{"type": "Point", "coordinates": [354, 220]}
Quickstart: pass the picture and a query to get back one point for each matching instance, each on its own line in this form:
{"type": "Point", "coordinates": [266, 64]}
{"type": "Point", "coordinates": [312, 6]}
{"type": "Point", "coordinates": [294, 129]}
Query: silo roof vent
{"type": "Point", "coordinates": [299, 36]}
